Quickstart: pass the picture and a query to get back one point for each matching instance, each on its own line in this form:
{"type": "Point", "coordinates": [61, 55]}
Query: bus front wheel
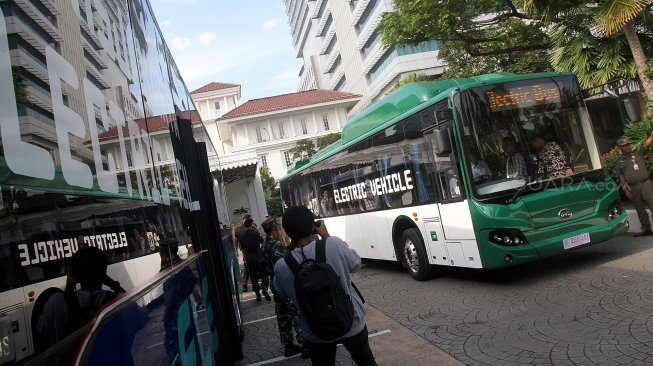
{"type": "Point", "coordinates": [414, 255]}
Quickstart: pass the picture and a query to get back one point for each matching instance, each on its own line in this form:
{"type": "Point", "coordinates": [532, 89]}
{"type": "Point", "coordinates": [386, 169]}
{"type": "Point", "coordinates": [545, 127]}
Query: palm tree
{"type": "Point", "coordinates": [605, 17]}
{"type": "Point", "coordinates": [616, 15]}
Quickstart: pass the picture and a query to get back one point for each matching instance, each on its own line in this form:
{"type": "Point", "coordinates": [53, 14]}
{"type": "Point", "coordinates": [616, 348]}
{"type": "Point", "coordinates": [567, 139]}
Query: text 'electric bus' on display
{"type": "Point", "coordinates": [481, 172]}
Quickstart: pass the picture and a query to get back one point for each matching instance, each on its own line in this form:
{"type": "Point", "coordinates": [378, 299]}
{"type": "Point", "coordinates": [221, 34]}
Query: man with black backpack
{"type": "Point", "coordinates": [316, 276]}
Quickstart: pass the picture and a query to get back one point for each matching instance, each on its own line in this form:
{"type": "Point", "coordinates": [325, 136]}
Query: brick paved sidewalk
{"type": "Point", "coordinates": [391, 342]}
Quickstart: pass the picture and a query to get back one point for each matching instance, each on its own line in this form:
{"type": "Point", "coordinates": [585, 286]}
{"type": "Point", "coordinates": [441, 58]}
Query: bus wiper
{"type": "Point", "coordinates": [517, 193]}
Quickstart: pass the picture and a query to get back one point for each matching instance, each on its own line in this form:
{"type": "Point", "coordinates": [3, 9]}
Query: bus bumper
{"type": "Point", "coordinates": [547, 242]}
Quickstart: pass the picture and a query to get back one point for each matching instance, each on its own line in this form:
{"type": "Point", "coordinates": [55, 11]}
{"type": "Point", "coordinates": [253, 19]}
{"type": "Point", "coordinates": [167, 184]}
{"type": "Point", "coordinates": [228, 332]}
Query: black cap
{"type": "Point", "coordinates": [247, 216]}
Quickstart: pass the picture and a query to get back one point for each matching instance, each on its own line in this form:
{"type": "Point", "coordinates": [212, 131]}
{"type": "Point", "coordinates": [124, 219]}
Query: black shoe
{"type": "Point", "coordinates": [258, 296]}
{"type": "Point", "coordinates": [646, 232]}
{"type": "Point", "coordinates": [245, 288]}
{"type": "Point", "coordinates": [305, 353]}
{"type": "Point", "coordinates": [267, 296]}
{"type": "Point", "coordinates": [291, 349]}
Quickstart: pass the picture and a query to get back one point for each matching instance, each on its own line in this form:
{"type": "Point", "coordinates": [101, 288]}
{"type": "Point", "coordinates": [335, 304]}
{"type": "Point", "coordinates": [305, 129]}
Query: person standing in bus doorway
{"type": "Point", "coordinates": [298, 222]}
{"type": "Point", "coordinates": [287, 313]}
{"type": "Point", "coordinates": [480, 171]}
{"type": "Point", "coordinates": [635, 181]}
{"type": "Point", "coordinates": [250, 243]}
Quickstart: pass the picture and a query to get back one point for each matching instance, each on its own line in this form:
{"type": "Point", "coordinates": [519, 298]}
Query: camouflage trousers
{"type": "Point", "coordinates": [288, 318]}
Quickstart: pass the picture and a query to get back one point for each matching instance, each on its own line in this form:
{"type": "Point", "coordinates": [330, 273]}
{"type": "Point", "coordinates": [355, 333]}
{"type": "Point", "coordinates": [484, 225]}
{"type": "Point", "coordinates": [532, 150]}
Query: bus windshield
{"type": "Point", "coordinates": [518, 133]}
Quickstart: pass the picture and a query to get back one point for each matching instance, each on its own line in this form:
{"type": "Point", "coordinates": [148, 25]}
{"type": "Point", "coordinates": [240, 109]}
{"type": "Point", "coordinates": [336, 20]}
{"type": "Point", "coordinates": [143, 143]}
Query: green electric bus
{"type": "Point", "coordinates": [482, 172]}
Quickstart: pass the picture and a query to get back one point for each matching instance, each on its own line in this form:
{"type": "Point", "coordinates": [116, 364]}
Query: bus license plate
{"type": "Point", "coordinates": [577, 240]}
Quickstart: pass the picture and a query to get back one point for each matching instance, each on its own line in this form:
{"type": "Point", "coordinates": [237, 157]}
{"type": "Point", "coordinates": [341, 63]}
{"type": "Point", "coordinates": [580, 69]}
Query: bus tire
{"type": "Point", "coordinates": [414, 255]}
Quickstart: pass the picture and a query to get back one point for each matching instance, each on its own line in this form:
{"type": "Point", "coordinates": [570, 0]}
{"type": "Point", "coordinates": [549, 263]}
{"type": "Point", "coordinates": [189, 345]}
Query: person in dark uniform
{"type": "Point", "coordinates": [634, 179]}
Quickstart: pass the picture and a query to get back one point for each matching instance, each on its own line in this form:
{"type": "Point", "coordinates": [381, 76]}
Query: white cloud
{"type": "Point", "coordinates": [206, 39]}
{"type": "Point", "coordinates": [165, 23]}
{"type": "Point", "coordinates": [269, 24]}
{"type": "Point", "coordinates": [180, 43]}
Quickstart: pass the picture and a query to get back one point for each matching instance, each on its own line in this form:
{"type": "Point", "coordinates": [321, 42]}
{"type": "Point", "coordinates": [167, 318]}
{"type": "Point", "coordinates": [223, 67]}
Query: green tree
{"type": "Point", "coordinates": [599, 40]}
{"type": "Point", "coordinates": [412, 78]}
{"type": "Point", "coordinates": [271, 192]}
{"type": "Point", "coordinates": [303, 149]}
{"type": "Point", "coordinates": [22, 95]}
{"type": "Point", "coordinates": [477, 36]}
{"type": "Point", "coordinates": [326, 140]}
{"type": "Point", "coordinates": [268, 182]}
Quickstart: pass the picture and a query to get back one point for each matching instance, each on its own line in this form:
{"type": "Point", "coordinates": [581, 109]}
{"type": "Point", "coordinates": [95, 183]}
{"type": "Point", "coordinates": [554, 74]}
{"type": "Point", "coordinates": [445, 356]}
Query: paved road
{"type": "Point", "coordinates": [591, 306]}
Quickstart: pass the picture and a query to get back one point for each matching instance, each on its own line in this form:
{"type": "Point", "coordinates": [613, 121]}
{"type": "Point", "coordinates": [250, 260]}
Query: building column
{"type": "Point", "coordinates": [317, 129]}
{"type": "Point", "coordinates": [270, 130]}
{"type": "Point", "coordinates": [259, 197]}
{"type": "Point", "coordinates": [292, 126]}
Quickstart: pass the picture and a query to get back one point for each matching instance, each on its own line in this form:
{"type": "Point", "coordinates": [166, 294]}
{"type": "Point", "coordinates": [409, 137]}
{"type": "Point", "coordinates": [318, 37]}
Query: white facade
{"type": "Point", "coordinates": [212, 102]}
{"type": "Point", "coordinates": [270, 135]}
{"type": "Point", "coordinates": [340, 45]}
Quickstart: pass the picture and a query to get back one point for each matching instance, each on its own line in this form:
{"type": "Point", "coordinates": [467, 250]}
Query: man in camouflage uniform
{"type": "Point", "coordinates": [635, 180]}
{"type": "Point", "coordinates": [288, 317]}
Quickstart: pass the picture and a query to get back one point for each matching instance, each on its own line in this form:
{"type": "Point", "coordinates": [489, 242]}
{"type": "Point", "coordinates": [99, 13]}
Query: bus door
{"type": "Point", "coordinates": [433, 230]}
{"type": "Point", "coordinates": [455, 222]}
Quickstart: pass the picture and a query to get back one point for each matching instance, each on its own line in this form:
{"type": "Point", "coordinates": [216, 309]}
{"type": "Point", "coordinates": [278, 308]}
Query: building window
{"type": "Point", "coordinates": [366, 15]}
{"type": "Point", "coordinates": [129, 158]}
{"type": "Point", "coordinates": [260, 134]}
{"type": "Point", "coordinates": [287, 158]}
{"type": "Point", "coordinates": [325, 122]}
{"type": "Point", "coordinates": [217, 107]}
{"type": "Point", "coordinates": [263, 159]}
{"type": "Point", "coordinates": [282, 130]}
{"type": "Point", "coordinates": [335, 65]}
{"type": "Point", "coordinates": [385, 60]}
{"type": "Point", "coordinates": [341, 83]}
{"type": "Point", "coordinates": [302, 124]}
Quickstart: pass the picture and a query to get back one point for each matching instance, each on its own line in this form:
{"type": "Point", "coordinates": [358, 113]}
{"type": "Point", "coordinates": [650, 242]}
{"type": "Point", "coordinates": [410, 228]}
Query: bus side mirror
{"type": "Point", "coordinates": [442, 141]}
{"type": "Point", "coordinates": [631, 107]}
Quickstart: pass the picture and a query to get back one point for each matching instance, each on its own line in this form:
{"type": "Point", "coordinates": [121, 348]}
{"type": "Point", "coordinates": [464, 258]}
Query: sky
{"type": "Point", "coordinates": [231, 41]}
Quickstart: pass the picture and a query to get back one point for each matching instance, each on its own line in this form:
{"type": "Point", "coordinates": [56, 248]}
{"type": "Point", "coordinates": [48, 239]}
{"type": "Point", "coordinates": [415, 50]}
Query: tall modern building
{"type": "Point", "coordinates": [339, 42]}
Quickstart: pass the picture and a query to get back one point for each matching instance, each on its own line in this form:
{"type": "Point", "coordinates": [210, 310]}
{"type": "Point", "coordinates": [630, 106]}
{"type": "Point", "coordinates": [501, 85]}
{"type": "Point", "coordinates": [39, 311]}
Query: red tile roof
{"type": "Point", "coordinates": [213, 86]}
{"type": "Point", "coordinates": [287, 101]}
{"type": "Point", "coordinates": [150, 124]}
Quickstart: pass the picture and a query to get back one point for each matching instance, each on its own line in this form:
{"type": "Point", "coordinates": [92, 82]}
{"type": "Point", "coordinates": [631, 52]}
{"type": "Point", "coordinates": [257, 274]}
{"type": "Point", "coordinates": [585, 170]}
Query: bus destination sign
{"type": "Point", "coordinates": [523, 96]}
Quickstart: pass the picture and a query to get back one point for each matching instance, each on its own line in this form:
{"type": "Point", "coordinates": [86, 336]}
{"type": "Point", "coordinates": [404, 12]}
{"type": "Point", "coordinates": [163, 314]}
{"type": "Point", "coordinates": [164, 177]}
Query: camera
{"type": "Point", "coordinates": [316, 224]}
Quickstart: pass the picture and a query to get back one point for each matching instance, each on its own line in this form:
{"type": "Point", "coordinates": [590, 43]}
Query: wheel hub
{"type": "Point", "coordinates": [410, 254]}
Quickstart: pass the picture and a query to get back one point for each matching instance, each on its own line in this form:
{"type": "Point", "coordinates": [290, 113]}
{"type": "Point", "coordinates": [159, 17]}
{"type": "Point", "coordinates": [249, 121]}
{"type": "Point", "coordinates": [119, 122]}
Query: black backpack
{"type": "Point", "coordinates": [327, 308]}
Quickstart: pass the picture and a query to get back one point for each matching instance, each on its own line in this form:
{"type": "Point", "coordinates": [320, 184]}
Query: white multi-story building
{"type": "Point", "coordinates": [268, 128]}
{"type": "Point", "coordinates": [339, 42]}
{"type": "Point", "coordinates": [261, 132]}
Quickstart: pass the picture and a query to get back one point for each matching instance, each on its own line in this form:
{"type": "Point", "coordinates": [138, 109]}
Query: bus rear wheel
{"type": "Point", "coordinates": [414, 255]}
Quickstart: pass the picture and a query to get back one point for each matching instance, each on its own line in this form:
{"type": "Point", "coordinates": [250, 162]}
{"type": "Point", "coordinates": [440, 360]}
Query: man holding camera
{"type": "Point", "coordinates": [300, 226]}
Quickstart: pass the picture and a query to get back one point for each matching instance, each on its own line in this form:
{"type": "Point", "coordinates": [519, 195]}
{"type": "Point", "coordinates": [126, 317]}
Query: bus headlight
{"type": "Point", "coordinates": [614, 211]}
{"type": "Point", "coordinates": [508, 237]}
